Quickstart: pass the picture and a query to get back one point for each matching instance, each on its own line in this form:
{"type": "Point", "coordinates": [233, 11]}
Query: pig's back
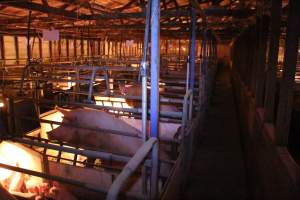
{"type": "Point", "coordinates": [102, 120]}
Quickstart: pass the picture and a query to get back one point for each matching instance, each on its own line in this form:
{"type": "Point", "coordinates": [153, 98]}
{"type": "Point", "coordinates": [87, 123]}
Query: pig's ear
{"type": "Point", "coordinates": [68, 119]}
{"type": "Point", "coordinates": [63, 111]}
{"type": "Point", "coordinates": [75, 119]}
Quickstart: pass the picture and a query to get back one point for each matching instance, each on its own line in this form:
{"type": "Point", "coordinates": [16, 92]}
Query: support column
{"type": "Point", "coordinates": [192, 50]}
{"type": "Point", "coordinates": [154, 115]}
{"type": "Point", "coordinates": [203, 63]}
{"type": "Point", "coordinates": [287, 84]}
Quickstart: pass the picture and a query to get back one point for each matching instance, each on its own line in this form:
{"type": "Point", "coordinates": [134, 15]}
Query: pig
{"type": "Point", "coordinates": [97, 119]}
{"type": "Point", "coordinates": [115, 143]}
{"type": "Point", "coordinates": [55, 192]}
{"type": "Point", "coordinates": [105, 141]}
{"type": "Point", "coordinates": [136, 90]}
{"type": "Point", "coordinates": [60, 193]}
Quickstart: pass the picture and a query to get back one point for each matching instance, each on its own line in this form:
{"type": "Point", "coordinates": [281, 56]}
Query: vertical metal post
{"type": "Point", "coordinates": [154, 114]}
{"type": "Point", "coordinates": [202, 71]}
{"type": "Point", "coordinates": [192, 50]}
{"type": "Point", "coordinates": [91, 85]}
{"type": "Point", "coordinates": [187, 75]}
{"type": "Point", "coordinates": [107, 82]}
{"type": "Point", "coordinates": [144, 73]}
{"type": "Point", "coordinates": [179, 50]}
{"type": "Point", "coordinates": [155, 62]}
{"type": "Point", "coordinates": [28, 37]}
{"type": "Point", "coordinates": [9, 102]}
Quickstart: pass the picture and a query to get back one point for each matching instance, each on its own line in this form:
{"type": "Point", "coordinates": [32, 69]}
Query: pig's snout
{"type": "Point", "coordinates": [52, 135]}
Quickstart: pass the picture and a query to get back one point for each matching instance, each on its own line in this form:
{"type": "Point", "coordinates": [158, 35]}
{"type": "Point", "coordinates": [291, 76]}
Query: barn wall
{"type": "Point", "coordinates": [272, 172]}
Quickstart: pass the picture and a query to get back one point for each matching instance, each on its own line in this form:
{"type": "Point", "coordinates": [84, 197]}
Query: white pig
{"type": "Point", "coordinates": [97, 119]}
{"type": "Point", "coordinates": [136, 90]}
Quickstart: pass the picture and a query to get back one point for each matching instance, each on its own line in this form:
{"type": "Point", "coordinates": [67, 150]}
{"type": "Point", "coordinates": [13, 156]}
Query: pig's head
{"type": "Point", "coordinates": [69, 116]}
{"type": "Point", "coordinates": [61, 133]}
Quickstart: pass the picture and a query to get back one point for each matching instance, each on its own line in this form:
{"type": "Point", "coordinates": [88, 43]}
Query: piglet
{"type": "Point", "coordinates": [60, 193]}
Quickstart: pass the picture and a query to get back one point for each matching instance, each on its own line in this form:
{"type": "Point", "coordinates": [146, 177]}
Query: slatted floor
{"type": "Point", "coordinates": [218, 170]}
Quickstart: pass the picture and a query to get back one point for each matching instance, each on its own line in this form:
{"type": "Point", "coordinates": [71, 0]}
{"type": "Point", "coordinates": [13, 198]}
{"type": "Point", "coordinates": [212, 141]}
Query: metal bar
{"type": "Point", "coordinates": [144, 74]}
{"type": "Point", "coordinates": [192, 49]}
{"type": "Point", "coordinates": [132, 110]}
{"type": "Point", "coordinates": [130, 168]}
{"type": "Point", "coordinates": [155, 64]}
{"type": "Point", "coordinates": [154, 114]}
{"type": "Point", "coordinates": [85, 152]}
{"type": "Point", "coordinates": [91, 86]}
{"type": "Point", "coordinates": [162, 99]}
{"type": "Point", "coordinates": [144, 71]}
{"type": "Point", "coordinates": [187, 75]}
{"type": "Point", "coordinates": [54, 178]}
{"type": "Point", "coordinates": [203, 66]}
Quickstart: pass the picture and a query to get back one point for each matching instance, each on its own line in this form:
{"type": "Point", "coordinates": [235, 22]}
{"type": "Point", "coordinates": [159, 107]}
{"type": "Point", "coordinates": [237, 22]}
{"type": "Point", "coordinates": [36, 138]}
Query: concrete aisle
{"type": "Point", "coordinates": [218, 170]}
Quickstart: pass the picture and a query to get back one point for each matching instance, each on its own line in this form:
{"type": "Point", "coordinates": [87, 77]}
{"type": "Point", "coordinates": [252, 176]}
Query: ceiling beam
{"type": "Point", "coordinates": [218, 11]}
{"type": "Point", "coordinates": [41, 8]}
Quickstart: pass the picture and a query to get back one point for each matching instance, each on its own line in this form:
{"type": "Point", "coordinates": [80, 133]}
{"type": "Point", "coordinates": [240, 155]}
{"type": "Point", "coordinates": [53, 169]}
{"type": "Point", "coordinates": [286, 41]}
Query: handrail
{"type": "Point", "coordinates": [131, 167]}
{"type": "Point", "coordinates": [187, 107]}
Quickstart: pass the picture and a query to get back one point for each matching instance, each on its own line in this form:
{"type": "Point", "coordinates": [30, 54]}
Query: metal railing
{"type": "Point", "coordinates": [132, 166]}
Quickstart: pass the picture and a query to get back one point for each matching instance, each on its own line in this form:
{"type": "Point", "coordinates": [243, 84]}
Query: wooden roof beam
{"type": "Point", "coordinates": [165, 13]}
{"type": "Point", "coordinates": [42, 8]}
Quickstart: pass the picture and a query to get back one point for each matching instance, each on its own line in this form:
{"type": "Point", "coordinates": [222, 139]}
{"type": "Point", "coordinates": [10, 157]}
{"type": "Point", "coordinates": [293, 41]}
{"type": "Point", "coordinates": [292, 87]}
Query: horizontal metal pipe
{"type": "Point", "coordinates": [130, 168]}
{"type": "Point", "coordinates": [85, 152]}
{"type": "Point", "coordinates": [54, 178]}
{"type": "Point", "coordinates": [162, 99]}
{"type": "Point", "coordinates": [132, 110]}
{"type": "Point", "coordinates": [124, 133]}
{"type": "Point", "coordinates": [89, 67]}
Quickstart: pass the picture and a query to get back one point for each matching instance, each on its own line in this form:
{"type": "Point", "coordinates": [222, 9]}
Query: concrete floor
{"type": "Point", "coordinates": [218, 170]}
